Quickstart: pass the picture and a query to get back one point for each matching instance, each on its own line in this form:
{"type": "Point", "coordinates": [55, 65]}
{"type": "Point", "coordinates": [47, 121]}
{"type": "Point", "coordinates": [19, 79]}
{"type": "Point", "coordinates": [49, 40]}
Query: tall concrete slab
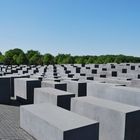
{"type": "Point", "coordinates": [5, 89]}
{"type": "Point", "coordinates": [24, 89]}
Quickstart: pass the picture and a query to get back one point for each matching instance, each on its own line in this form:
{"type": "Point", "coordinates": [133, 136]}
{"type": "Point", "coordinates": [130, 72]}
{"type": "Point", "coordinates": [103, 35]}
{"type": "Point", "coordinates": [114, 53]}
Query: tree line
{"type": "Point", "coordinates": [32, 57]}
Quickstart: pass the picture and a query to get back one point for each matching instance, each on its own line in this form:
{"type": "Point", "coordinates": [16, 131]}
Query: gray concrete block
{"type": "Point", "coordinates": [77, 87]}
{"type": "Point", "coordinates": [24, 89]}
{"type": "Point", "coordinates": [5, 89]}
{"type": "Point", "coordinates": [127, 95]}
{"type": "Point", "coordinates": [117, 121]}
{"type": "Point", "coordinates": [53, 84]}
{"type": "Point", "coordinates": [135, 83]}
{"type": "Point", "coordinates": [35, 76]}
{"type": "Point", "coordinates": [114, 80]}
{"type": "Point", "coordinates": [12, 77]}
{"type": "Point", "coordinates": [53, 96]}
{"type": "Point", "coordinates": [48, 122]}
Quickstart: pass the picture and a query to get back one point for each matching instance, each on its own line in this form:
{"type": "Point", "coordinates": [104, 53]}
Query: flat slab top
{"type": "Point", "coordinates": [14, 75]}
{"type": "Point", "coordinates": [100, 83]}
{"type": "Point", "coordinates": [75, 82]}
{"type": "Point", "coordinates": [53, 91]}
{"type": "Point", "coordinates": [117, 79]}
{"type": "Point", "coordinates": [115, 86]}
{"type": "Point", "coordinates": [132, 89]}
{"type": "Point", "coordinates": [108, 104]}
{"type": "Point", "coordinates": [53, 82]}
{"type": "Point", "coordinates": [26, 79]}
{"type": "Point", "coordinates": [4, 77]}
{"type": "Point", "coordinates": [51, 79]}
{"type": "Point", "coordinates": [36, 76]}
{"type": "Point", "coordinates": [58, 117]}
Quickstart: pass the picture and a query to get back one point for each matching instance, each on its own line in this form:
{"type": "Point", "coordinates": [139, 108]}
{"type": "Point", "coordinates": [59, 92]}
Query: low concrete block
{"type": "Point", "coordinates": [53, 84]}
{"type": "Point", "coordinates": [117, 121]}
{"type": "Point", "coordinates": [127, 95]}
{"type": "Point", "coordinates": [135, 83]}
{"type": "Point", "coordinates": [77, 87]}
{"type": "Point", "coordinates": [48, 122]}
{"type": "Point", "coordinates": [53, 96]}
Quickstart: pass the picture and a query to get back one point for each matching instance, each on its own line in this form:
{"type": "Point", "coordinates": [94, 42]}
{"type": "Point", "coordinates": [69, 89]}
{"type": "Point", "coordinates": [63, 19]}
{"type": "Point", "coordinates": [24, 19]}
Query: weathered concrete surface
{"type": "Point", "coordinates": [117, 121]}
{"type": "Point", "coordinates": [53, 96]}
{"type": "Point", "coordinates": [77, 87]}
{"type": "Point", "coordinates": [135, 83]}
{"type": "Point", "coordinates": [127, 95]}
{"type": "Point", "coordinates": [24, 89]}
{"type": "Point", "coordinates": [48, 122]}
{"type": "Point", "coordinates": [57, 85]}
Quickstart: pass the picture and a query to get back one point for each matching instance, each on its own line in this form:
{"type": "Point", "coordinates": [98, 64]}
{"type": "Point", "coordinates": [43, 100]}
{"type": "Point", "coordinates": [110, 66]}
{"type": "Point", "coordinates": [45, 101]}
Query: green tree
{"type": "Point", "coordinates": [36, 59]}
{"type": "Point", "coordinates": [120, 59]}
{"type": "Point", "coordinates": [109, 59]}
{"type": "Point", "coordinates": [79, 60]}
{"type": "Point", "coordinates": [68, 60]}
{"type": "Point", "coordinates": [11, 56]}
{"type": "Point", "coordinates": [17, 51]}
{"type": "Point", "coordinates": [64, 59]}
{"type": "Point", "coordinates": [21, 59]}
{"type": "Point", "coordinates": [90, 60]}
{"type": "Point", "coordinates": [15, 58]}
{"type": "Point", "coordinates": [59, 59]}
{"type": "Point", "coordinates": [48, 59]}
{"type": "Point", "coordinates": [31, 53]}
{"type": "Point", "coordinates": [2, 58]}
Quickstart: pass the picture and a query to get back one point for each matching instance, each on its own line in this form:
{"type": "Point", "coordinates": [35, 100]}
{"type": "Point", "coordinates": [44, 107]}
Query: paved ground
{"type": "Point", "coordinates": [9, 124]}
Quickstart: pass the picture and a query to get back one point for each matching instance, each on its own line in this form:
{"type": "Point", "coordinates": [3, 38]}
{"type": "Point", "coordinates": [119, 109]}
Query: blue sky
{"type": "Point", "coordinates": [79, 27]}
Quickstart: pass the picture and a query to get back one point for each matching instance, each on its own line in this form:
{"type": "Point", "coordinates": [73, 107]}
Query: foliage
{"type": "Point", "coordinates": [64, 59]}
{"type": "Point", "coordinates": [31, 57]}
{"type": "Point", "coordinates": [36, 59]}
{"type": "Point", "coordinates": [11, 56]}
{"type": "Point", "coordinates": [48, 59]}
{"type": "Point", "coordinates": [1, 58]}
{"type": "Point", "coordinates": [31, 53]}
{"type": "Point", "coordinates": [22, 59]}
